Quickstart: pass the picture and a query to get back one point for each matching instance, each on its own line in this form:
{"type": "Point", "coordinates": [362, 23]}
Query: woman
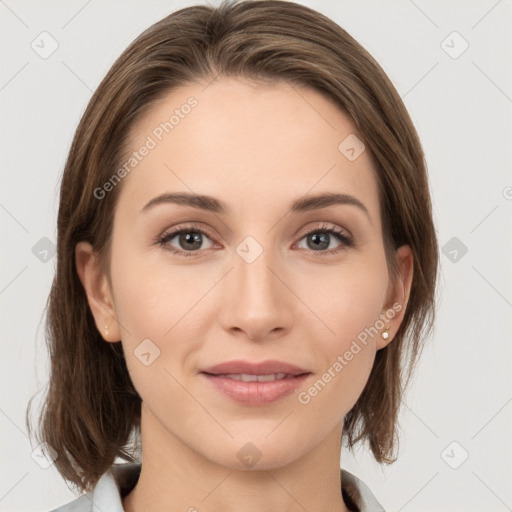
{"type": "Point", "coordinates": [246, 268]}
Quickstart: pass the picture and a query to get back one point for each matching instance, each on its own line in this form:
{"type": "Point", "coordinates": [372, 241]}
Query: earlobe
{"type": "Point", "coordinates": [399, 297]}
{"type": "Point", "coordinates": [97, 289]}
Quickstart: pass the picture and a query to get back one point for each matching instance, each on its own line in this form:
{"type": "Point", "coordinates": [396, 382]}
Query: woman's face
{"type": "Point", "coordinates": [258, 280]}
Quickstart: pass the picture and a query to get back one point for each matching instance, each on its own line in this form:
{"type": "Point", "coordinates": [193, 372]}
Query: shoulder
{"type": "Point", "coordinates": [120, 479]}
{"type": "Point", "coordinates": [113, 485]}
{"type": "Point", "coordinates": [82, 504]}
{"type": "Point", "coordinates": [360, 497]}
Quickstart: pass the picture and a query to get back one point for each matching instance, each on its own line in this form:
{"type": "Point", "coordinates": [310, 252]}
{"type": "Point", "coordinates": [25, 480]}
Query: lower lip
{"type": "Point", "coordinates": [256, 393]}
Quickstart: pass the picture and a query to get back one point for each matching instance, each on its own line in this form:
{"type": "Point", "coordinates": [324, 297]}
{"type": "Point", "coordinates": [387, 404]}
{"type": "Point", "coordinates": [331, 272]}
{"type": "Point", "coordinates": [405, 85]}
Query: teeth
{"type": "Point", "coordinates": [245, 377]}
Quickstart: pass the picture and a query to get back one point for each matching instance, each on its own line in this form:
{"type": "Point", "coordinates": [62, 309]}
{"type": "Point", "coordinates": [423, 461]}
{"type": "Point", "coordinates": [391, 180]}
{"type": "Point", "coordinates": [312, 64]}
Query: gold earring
{"type": "Point", "coordinates": [385, 333]}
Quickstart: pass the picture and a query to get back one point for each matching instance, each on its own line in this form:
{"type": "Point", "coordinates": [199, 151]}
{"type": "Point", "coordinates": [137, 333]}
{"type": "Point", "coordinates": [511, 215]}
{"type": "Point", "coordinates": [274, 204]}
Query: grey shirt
{"type": "Point", "coordinates": [120, 479]}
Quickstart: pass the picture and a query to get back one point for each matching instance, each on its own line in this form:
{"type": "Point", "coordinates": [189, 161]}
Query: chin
{"type": "Point", "coordinates": [260, 454]}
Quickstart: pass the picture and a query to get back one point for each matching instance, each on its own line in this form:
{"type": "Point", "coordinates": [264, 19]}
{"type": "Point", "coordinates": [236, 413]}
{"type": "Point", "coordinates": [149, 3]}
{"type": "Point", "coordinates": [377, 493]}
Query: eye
{"type": "Point", "coordinates": [320, 239]}
{"type": "Point", "coordinates": [190, 240]}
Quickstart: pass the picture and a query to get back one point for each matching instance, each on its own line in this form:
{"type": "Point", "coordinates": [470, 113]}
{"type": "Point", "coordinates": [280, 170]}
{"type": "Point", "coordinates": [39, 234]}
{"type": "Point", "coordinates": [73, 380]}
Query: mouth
{"type": "Point", "coordinates": [263, 368]}
{"type": "Point", "coordinates": [255, 383]}
{"type": "Point", "coordinates": [248, 377]}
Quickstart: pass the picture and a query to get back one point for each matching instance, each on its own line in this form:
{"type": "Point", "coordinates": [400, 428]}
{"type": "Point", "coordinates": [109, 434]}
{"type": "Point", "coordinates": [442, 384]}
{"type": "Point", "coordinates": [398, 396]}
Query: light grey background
{"type": "Point", "coordinates": [461, 106]}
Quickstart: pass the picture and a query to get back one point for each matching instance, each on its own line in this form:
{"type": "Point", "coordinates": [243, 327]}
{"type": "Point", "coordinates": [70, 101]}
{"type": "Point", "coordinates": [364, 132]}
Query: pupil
{"type": "Point", "coordinates": [320, 239]}
{"type": "Point", "coordinates": [190, 239]}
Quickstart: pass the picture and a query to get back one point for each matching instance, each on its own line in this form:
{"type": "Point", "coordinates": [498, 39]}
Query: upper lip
{"type": "Point", "coordinates": [263, 368]}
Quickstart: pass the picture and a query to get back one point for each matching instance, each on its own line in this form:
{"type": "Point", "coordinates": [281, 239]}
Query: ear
{"type": "Point", "coordinates": [97, 288]}
{"type": "Point", "coordinates": [398, 295]}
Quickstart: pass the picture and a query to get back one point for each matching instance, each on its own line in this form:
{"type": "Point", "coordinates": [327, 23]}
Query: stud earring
{"type": "Point", "coordinates": [106, 330]}
{"type": "Point", "coordinates": [385, 333]}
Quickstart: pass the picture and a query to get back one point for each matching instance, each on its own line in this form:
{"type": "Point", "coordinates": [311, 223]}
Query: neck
{"type": "Point", "coordinates": [174, 477]}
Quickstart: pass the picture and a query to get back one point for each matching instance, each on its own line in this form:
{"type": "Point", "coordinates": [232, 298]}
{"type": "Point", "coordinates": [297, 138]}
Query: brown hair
{"type": "Point", "coordinates": [91, 413]}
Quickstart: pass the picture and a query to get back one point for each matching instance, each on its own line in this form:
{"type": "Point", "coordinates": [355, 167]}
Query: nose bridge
{"type": "Point", "coordinates": [255, 281]}
{"type": "Point", "coordinates": [258, 301]}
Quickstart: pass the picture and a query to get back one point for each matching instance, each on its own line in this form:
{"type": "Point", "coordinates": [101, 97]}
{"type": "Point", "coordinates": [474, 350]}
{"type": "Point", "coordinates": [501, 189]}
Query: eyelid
{"type": "Point", "coordinates": [345, 237]}
{"type": "Point", "coordinates": [186, 226]}
{"type": "Point", "coordinates": [325, 226]}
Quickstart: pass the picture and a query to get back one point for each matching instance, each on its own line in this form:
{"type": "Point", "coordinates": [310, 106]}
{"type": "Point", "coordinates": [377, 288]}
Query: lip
{"type": "Point", "coordinates": [262, 368]}
{"type": "Point", "coordinates": [255, 393]}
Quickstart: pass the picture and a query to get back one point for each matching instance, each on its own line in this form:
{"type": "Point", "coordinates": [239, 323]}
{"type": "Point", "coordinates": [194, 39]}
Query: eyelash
{"type": "Point", "coordinates": [346, 241]}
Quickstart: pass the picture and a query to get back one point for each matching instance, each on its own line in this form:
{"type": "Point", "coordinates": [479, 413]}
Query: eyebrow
{"type": "Point", "coordinates": [211, 204]}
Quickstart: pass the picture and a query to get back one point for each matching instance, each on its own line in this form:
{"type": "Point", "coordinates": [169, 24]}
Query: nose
{"type": "Point", "coordinates": [256, 299]}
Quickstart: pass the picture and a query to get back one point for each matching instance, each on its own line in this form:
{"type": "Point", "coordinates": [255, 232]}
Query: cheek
{"type": "Point", "coordinates": [149, 305]}
{"type": "Point", "coordinates": [348, 304]}
{"type": "Point", "coordinates": [346, 355]}
{"type": "Point", "coordinates": [151, 294]}
{"type": "Point", "coordinates": [346, 299]}
{"type": "Point", "coordinates": [154, 301]}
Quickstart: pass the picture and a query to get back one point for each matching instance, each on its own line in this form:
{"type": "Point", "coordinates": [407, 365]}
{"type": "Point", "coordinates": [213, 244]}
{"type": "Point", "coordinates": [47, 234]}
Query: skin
{"type": "Point", "coordinates": [257, 149]}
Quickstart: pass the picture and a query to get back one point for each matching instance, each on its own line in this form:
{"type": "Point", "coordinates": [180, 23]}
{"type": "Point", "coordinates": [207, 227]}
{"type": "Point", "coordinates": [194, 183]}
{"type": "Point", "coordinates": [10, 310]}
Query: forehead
{"type": "Point", "coordinates": [247, 144]}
